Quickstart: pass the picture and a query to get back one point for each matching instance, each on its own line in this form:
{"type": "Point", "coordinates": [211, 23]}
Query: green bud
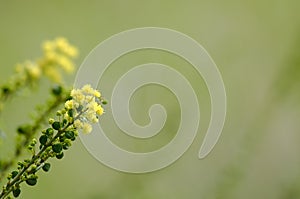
{"type": "Point", "coordinates": [46, 167]}
{"type": "Point", "coordinates": [49, 131]}
{"type": "Point", "coordinates": [16, 192]}
{"type": "Point", "coordinates": [57, 148]}
{"type": "Point", "coordinates": [24, 129]}
{"type": "Point", "coordinates": [58, 113]}
{"type": "Point", "coordinates": [62, 139]}
{"type": "Point", "coordinates": [57, 90]}
{"type": "Point", "coordinates": [51, 121]}
{"type": "Point", "coordinates": [69, 134]}
{"type": "Point", "coordinates": [20, 164]}
{"type": "Point", "coordinates": [34, 141]}
{"type": "Point", "coordinates": [31, 181]}
{"type": "Point", "coordinates": [65, 147]}
{"type": "Point", "coordinates": [71, 112]}
{"type": "Point", "coordinates": [60, 156]}
{"type": "Point", "coordinates": [14, 174]}
{"type": "Point", "coordinates": [104, 102]}
{"type": "Point", "coordinates": [9, 176]}
{"type": "Point", "coordinates": [43, 139]}
{"type": "Point", "coordinates": [65, 121]}
{"type": "Point", "coordinates": [33, 167]}
{"type": "Point", "coordinates": [56, 125]}
{"type": "Point", "coordinates": [5, 89]}
{"type": "Point", "coordinates": [69, 98]}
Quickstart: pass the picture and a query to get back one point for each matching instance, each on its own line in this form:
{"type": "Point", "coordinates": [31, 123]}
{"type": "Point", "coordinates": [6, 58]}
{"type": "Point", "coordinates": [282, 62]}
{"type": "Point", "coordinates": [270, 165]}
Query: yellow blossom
{"type": "Point", "coordinates": [87, 128]}
{"type": "Point", "coordinates": [51, 56]}
{"type": "Point", "coordinates": [100, 110]}
{"type": "Point", "coordinates": [66, 64]}
{"type": "Point", "coordinates": [53, 74]}
{"type": "Point", "coordinates": [78, 124]}
{"type": "Point", "coordinates": [61, 42]}
{"type": "Point", "coordinates": [69, 104]}
{"type": "Point", "coordinates": [66, 48]}
{"type": "Point", "coordinates": [19, 68]}
{"type": "Point", "coordinates": [87, 89]}
{"type": "Point", "coordinates": [48, 46]}
{"type": "Point", "coordinates": [77, 95]}
{"type": "Point", "coordinates": [71, 51]}
{"type": "Point", "coordinates": [33, 70]}
{"type": "Point", "coordinates": [87, 107]}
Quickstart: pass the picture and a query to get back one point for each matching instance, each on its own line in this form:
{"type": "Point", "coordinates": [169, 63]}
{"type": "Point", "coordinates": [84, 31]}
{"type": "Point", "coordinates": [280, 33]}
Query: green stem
{"type": "Point", "coordinates": [9, 187]}
{"type": "Point", "coordinates": [18, 179]}
{"type": "Point", "coordinates": [25, 142]}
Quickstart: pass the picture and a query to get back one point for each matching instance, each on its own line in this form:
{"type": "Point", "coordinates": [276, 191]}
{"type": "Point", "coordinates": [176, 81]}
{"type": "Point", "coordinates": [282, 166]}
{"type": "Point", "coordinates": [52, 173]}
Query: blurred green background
{"type": "Point", "coordinates": [256, 47]}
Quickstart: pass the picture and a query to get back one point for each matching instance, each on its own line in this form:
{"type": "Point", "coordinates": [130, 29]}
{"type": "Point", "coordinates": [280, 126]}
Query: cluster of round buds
{"type": "Point", "coordinates": [86, 107]}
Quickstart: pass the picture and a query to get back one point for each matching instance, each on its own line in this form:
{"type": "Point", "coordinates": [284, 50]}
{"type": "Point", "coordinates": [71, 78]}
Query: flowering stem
{"type": "Point", "coordinates": [61, 98]}
{"type": "Point", "coordinates": [18, 179]}
{"type": "Point", "coordinates": [82, 109]}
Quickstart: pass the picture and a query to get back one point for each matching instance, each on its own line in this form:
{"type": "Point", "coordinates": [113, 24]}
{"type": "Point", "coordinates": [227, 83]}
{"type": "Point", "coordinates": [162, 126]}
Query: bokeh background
{"type": "Point", "coordinates": [256, 47]}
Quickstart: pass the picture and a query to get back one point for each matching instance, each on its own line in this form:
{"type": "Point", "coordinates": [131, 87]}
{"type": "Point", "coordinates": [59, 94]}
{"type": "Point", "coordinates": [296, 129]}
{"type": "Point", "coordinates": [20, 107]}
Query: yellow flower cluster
{"type": "Point", "coordinates": [86, 104]}
{"type": "Point", "coordinates": [29, 70]}
{"type": "Point", "coordinates": [58, 54]}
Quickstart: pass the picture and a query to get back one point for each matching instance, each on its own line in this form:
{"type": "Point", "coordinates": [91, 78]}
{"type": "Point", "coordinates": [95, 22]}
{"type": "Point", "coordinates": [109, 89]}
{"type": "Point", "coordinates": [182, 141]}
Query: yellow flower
{"type": "Point", "coordinates": [66, 64]}
{"type": "Point", "coordinates": [69, 104]}
{"type": "Point", "coordinates": [78, 124]}
{"type": "Point", "coordinates": [51, 56]}
{"type": "Point", "coordinates": [64, 46]}
{"type": "Point", "coordinates": [97, 93]}
{"type": "Point", "coordinates": [33, 70]}
{"type": "Point", "coordinates": [77, 95]}
{"type": "Point", "coordinates": [68, 118]}
{"type": "Point", "coordinates": [87, 89]}
{"type": "Point", "coordinates": [61, 42]}
{"type": "Point", "coordinates": [53, 74]}
{"type": "Point", "coordinates": [96, 108]}
{"type": "Point", "coordinates": [87, 107]}
{"type": "Point", "coordinates": [100, 110]}
{"type": "Point", "coordinates": [19, 68]}
{"type": "Point", "coordinates": [87, 128]}
{"type": "Point", "coordinates": [71, 51]}
{"type": "Point", "coordinates": [48, 46]}
{"type": "Point", "coordinates": [91, 116]}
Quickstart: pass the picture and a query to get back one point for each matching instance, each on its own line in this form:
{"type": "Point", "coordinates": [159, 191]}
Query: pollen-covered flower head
{"type": "Point", "coordinates": [58, 54]}
{"type": "Point", "coordinates": [86, 107]}
{"type": "Point", "coordinates": [57, 57]}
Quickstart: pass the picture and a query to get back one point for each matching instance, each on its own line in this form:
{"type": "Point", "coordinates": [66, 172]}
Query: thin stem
{"type": "Point", "coordinates": [17, 180]}
{"type": "Point", "coordinates": [35, 127]}
{"type": "Point", "coordinates": [9, 185]}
